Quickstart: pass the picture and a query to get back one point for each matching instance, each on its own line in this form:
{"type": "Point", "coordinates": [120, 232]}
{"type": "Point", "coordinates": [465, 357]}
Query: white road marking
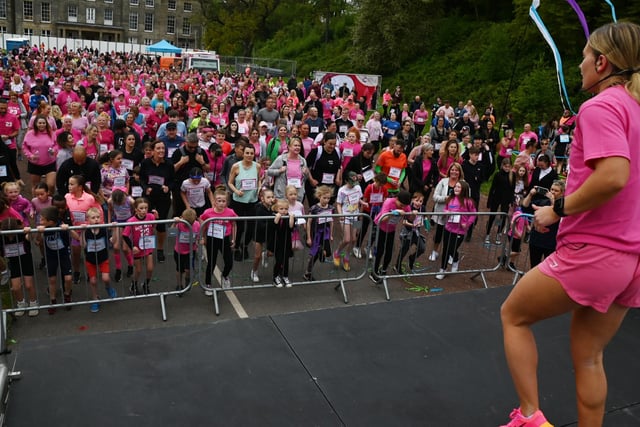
{"type": "Point", "coordinates": [233, 299]}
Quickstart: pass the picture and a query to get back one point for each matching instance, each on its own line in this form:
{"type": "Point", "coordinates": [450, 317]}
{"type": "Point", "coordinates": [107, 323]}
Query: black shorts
{"type": "Point", "coordinates": [21, 265]}
{"type": "Point", "coordinates": [61, 258]}
{"type": "Point", "coordinates": [182, 262]}
{"type": "Point", "coordinates": [40, 170]}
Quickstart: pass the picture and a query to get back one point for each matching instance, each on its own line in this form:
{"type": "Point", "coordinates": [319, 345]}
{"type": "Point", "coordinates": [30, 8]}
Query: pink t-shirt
{"type": "Point", "coordinates": [182, 239]}
{"type": "Point", "coordinates": [79, 207]}
{"type": "Point", "coordinates": [393, 220]}
{"type": "Point", "coordinates": [606, 126]}
{"type": "Point", "coordinates": [141, 235]}
{"type": "Point", "coordinates": [227, 224]}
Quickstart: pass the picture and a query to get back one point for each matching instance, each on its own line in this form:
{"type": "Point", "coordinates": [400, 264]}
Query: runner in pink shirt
{"type": "Point", "coordinates": [595, 271]}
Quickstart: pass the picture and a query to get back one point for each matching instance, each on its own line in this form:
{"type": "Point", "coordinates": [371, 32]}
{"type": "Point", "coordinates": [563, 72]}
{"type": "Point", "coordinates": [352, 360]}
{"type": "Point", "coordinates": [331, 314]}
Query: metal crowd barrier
{"type": "Point", "coordinates": [241, 278]}
{"type": "Point", "coordinates": [487, 252]}
{"type": "Point", "coordinates": [81, 294]}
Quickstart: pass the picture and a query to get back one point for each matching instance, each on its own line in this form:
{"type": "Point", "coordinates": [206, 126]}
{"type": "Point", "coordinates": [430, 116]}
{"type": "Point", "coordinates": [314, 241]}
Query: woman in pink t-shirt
{"type": "Point", "coordinates": [40, 149]}
{"type": "Point", "coordinates": [594, 271]}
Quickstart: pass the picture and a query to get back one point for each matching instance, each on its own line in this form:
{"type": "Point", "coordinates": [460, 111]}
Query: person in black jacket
{"type": "Point", "coordinates": [158, 179]}
{"type": "Point", "coordinates": [79, 164]}
{"type": "Point", "coordinates": [421, 181]}
{"type": "Point", "coordinates": [500, 197]}
{"type": "Point", "coordinates": [474, 174]}
{"type": "Point", "coordinates": [543, 176]}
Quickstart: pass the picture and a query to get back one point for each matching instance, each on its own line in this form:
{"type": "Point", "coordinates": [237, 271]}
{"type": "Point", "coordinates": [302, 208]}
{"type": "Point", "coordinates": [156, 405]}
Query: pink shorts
{"type": "Point", "coordinates": [595, 276]}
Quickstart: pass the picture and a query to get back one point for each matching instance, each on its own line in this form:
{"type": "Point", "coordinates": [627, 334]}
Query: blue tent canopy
{"type": "Point", "coordinates": [163, 46]}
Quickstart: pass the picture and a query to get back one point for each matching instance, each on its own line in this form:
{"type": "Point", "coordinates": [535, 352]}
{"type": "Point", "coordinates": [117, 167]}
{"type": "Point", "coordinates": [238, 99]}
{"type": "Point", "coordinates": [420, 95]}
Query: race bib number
{"type": "Point", "coordinates": [96, 245]}
{"type": "Point", "coordinates": [377, 198]}
{"type": "Point", "coordinates": [216, 231]}
{"type": "Point", "coordinates": [395, 172]}
{"type": "Point", "coordinates": [103, 148]}
{"type": "Point", "coordinates": [325, 218]}
{"type": "Point", "coordinates": [368, 175]}
{"type": "Point", "coordinates": [186, 237]}
{"type": "Point", "coordinates": [55, 245]}
{"type": "Point", "coordinates": [136, 191]}
{"type": "Point", "coordinates": [127, 163]}
{"type": "Point", "coordinates": [147, 242]}
{"type": "Point", "coordinates": [248, 184]}
{"type": "Point", "coordinates": [328, 178]}
{"type": "Point", "coordinates": [155, 179]}
{"type": "Point", "coordinates": [296, 182]}
{"type": "Point", "coordinates": [3, 170]}
{"type": "Point", "coordinates": [354, 199]}
{"type": "Point", "coordinates": [454, 219]}
{"type": "Point", "coordinates": [119, 181]}
{"type": "Point", "coordinates": [343, 129]}
{"type": "Point", "coordinates": [12, 250]}
{"type": "Point", "coordinates": [315, 129]}
{"type": "Point", "coordinates": [79, 216]}
{"type": "Point", "coordinates": [347, 152]}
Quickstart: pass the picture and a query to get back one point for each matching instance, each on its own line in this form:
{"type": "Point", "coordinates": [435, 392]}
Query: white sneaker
{"type": "Point", "coordinates": [433, 256]}
{"type": "Point", "coordinates": [20, 304]}
{"type": "Point", "coordinates": [34, 310]}
{"type": "Point", "coordinates": [498, 238]}
{"type": "Point", "coordinates": [278, 282]}
{"type": "Point", "coordinates": [371, 256]}
{"type": "Point", "coordinates": [207, 290]}
{"type": "Point", "coordinates": [226, 283]}
{"type": "Point", "coordinates": [254, 277]}
{"type": "Point", "coordinates": [440, 274]}
{"type": "Point", "coordinates": [454, 266]}
{"type": "Point", "coordinates": [287, 282]}
{"type": "Point", "coordinates": [357, 252]}
{"type": "Point", "coordinates": [487, 240]}
{"type": "Point", "coordinates": [450, 260]}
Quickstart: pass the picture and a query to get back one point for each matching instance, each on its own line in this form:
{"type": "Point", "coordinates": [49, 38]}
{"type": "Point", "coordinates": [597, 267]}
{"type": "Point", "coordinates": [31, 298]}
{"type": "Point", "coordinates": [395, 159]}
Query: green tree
{"type": "Point", "coordinates": [234, 26]}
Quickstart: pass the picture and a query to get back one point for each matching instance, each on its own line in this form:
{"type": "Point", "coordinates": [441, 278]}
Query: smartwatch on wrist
{"type": "Point", "coordinates": [558, 207]}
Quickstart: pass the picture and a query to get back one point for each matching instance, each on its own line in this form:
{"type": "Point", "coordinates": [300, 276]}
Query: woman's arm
{"type": "Point", "coordinates": [609, 177]}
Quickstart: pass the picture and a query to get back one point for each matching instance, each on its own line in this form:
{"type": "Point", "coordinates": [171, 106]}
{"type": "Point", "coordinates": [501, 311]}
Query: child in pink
{"type": "Point", "coordinates": [142, 241]}
{"type": "Point", "coordinates": [220, 236]}
{"type": "Point", "coordinates": [183, 252]}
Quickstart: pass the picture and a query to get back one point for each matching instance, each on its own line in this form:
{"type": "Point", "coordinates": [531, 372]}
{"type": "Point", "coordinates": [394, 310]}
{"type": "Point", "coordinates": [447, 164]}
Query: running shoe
{"type": "Point", "coordinates": [537, 419]}
{"type": "Point", "coordinates": [226, 283]}
{"type": "Point", "coordinates": [278, 282]}
{"type": "Point", "coordinates": [254, 276]}
{"type": "Point", "coordinates": [440, 274]}
{"type": "Point", "coordinates": [33, 306]}
{"type": "Point", "coordinates": [95, 307]}
{"type": "Point", "coordinates": [287, 282]}
{"type": "Point", "coordinates": [357, 252]}
{"type": "Point", "coordinates": [433, 256]}
{"type": "Point", "coordinates": [336, 259]}
{"type": "Point", "coordinates": [345, 263]}
{"type": "Point", "coordinates": [118, 276]}
{"type": "Point", "coordinates": [20, 304]}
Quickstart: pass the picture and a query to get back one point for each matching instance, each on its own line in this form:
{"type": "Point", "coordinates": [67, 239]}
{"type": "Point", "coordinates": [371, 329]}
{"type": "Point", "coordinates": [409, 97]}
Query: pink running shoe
{"type": "Point", "coordinates": [535, 420]}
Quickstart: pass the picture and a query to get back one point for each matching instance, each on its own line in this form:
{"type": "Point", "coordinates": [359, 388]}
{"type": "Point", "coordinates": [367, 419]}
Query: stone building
{"type": "Point", "coordinates": [129, 21]}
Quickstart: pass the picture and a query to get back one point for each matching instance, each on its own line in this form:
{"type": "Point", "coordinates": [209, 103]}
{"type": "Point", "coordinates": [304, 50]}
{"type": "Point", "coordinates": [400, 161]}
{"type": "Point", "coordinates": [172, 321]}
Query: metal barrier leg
{"type": "Point", "coordinates": [163, 307]}
{"type": "Point", "coordinates": [386, 289]}
{"type": "Point", "coordinates": [344, 292]}
{"type": "Point", "coordinates": [216, 306]}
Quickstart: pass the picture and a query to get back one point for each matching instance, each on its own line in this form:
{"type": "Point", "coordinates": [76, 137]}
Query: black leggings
{"type": "Point", "coordinates": [213, 247]}
{"type": "Point", "coordinates": [384, 246]}
{"type": "Point", "coordinates": [245, 229]}
{"type": "Point", "coordinates": [504, 207]}
{"type": "Point", "coordinates": [452, 242]}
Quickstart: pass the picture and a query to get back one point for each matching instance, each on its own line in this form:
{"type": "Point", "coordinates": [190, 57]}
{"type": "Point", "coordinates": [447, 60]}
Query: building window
{"type": "Point", "coordinates": [134, 2]}
{"type": "Point", "coordinates": [3, 30]}
{"type": "Point", "coordinates": [28, 31]}
{"type": "Point", "coordinates": [45, 33]}
{"type": "Point", "coordinates": [171, 24]}
{"type": "Point", "coordinates": [108, 1]}
{"type": "Point", "coordinates": [187, 7]}
{"type": "Point", "coordinates": [148, 42]}
{"type": "Point", "coordinates": [171, 5]}
{"type": "Point", "coordinates": [108, 17]}
{"type": "Point", "coordinates": [186, 26]}
{"type": "Point", "coordinates": [133, 21]}
{"type": "Point", "coordinates": [3, 9]}
{"type": "Point", "coordinates": [45, 11]}
{"type": "Point", "coordinates": [148, 21]}
{"type": "Point", "coordinates": [27, 11]}
{"type": "Point", "coordinates": [133, 40]}
{"type": "Point", "coordinates": [72, 13]}
{"type": "Point", "coordinates": [91, 15]}
{"type": "Point", "coordinates": [149, 3]}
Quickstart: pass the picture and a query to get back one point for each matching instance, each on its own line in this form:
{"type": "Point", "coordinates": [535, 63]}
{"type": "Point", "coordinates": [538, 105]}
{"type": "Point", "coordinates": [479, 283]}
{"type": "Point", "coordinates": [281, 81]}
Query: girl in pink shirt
{"type": "Point", "coordinates": [220, 236]}
{"type": "Point", "coordinates": [183, 251]}
{"type": "Point", "coordinates": [457, 225]}
{"type": "Point", "coordinates": [142, 241]}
